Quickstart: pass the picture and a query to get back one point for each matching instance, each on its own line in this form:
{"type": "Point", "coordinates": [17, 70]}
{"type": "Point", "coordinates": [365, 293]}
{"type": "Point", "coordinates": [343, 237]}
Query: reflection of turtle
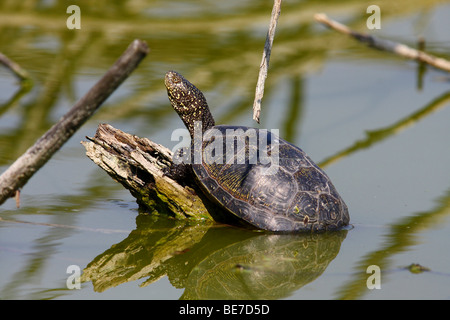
{"type": "Point", "coordinates": [286, 191]}
{"type": "Point", "coordinates": [214, 263]}
{"type": "Point", "coordinates": [267, 266]}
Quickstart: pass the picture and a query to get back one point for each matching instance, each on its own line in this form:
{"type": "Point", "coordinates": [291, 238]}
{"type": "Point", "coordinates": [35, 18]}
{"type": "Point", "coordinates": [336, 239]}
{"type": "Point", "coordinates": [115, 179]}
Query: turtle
{"type": "Point", "coordinates": [252, 173]}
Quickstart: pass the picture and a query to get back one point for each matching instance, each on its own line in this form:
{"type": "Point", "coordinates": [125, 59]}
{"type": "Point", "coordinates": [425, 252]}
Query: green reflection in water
{"type": "Point", "coordinates": [400, 237]}
{"type": "Point", "coordinates": [214, 262]}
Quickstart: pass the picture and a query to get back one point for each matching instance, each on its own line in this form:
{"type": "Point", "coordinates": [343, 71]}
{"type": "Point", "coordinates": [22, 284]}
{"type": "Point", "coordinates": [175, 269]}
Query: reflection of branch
{"type": "Point", "coordinates": [34, 158]}
{"type": "Point", "coordinates": [20, 73]}
{"type": "Point", "coordinates": [265, 60]}
{"type": "Point", "coordinates": [376, 136]}
{"type": "Point", "coordinates": [146, 252]}
{"type": "Point", "coordinates": [24, 89]}
{"type": "Point", "coordinates": [381, 44]}
{"type": "Point", "coordinates": [401, 236]}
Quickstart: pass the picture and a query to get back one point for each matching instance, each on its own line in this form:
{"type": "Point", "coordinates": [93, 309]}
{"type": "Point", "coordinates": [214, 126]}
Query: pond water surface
{"type": "Point", "coordinates": [377, 125]}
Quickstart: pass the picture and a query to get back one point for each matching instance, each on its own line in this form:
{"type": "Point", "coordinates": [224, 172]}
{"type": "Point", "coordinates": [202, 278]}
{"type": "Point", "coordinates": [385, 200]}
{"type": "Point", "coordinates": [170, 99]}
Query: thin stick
{"type": "Point", "coordinates": [386, 45]}
{"type": "Point", "coordinates": [35, 157]}
{"type": "Point", "coordinates": [265, 60]}
{"type": "Point", "coordinates": [20, 73]}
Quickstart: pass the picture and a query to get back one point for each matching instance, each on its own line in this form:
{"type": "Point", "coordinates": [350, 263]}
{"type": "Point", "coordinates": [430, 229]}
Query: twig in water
{"type": "Point", "coordinates": [36, 156]}
{"type": "Point", "coordinates": [265, 60]}
{"type": "Point", "coordinates": [386, 45]}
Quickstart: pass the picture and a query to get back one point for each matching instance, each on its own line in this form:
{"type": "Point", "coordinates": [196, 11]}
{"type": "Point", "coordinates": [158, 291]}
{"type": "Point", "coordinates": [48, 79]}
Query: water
{"type": "Point", "coordinates": [363, 115]}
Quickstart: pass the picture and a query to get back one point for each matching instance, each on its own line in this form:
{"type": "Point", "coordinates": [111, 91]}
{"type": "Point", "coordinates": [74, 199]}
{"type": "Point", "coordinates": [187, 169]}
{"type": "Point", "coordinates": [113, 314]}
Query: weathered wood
{"type": "Point", "coordinates": [263, 68]}
{"type": "Point", "coordinates": [138, 164]}
{"type": "Point", "coordinates": [37, 155]}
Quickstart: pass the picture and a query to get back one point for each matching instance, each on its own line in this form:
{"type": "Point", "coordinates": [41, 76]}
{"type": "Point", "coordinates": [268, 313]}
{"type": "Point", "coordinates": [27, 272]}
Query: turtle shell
{"type": "Point", "coordinates": [266, 181]}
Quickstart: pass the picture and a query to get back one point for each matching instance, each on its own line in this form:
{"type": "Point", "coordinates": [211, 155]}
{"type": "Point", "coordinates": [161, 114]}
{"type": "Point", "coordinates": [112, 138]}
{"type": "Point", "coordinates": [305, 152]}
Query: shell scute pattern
{"type": "Point", "coordinates": [298, 197]}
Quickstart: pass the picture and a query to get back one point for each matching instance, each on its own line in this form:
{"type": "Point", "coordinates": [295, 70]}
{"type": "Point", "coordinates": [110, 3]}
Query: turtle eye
{"type": "Point", "coordinates": [176, 80]}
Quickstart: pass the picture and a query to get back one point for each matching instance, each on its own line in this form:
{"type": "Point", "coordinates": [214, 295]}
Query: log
{"type": "Point", "coordinates": [139, 164]}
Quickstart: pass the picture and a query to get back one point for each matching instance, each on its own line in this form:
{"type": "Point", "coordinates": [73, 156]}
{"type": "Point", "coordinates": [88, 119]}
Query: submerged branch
{"type": "Point", "coordinates": [386, 45]}
{"type": "Point", "coordinates": [36, 156]}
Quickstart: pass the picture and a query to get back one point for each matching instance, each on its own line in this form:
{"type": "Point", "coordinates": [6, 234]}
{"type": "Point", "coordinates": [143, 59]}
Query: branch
{"type": "Point", "coordinates": [386, 45]}
{"type": "Point", "coordinates": [36, 156]}
{"type": "Point", "coordinates": [265, 60]}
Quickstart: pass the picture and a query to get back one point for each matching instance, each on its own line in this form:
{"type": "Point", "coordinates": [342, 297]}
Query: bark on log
{"type": "Point", "coordinates": [138, 164]}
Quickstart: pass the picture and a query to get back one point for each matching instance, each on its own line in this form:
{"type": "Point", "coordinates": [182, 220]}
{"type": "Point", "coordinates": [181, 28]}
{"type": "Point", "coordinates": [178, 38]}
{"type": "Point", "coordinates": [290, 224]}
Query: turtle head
{"type": "Point", "coordinates": [188, 101]}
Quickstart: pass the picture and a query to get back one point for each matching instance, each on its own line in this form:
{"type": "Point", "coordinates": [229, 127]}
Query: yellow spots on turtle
{"type": "Point", "coordinates": [183, 106]}
{"type": "Point", "coordinates": [296, 210]}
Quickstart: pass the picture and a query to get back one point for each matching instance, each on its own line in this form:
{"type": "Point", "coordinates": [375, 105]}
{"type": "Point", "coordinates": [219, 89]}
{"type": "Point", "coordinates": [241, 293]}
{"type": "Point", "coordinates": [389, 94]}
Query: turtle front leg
{"type": "Point", "coordinates": [179, 171]}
